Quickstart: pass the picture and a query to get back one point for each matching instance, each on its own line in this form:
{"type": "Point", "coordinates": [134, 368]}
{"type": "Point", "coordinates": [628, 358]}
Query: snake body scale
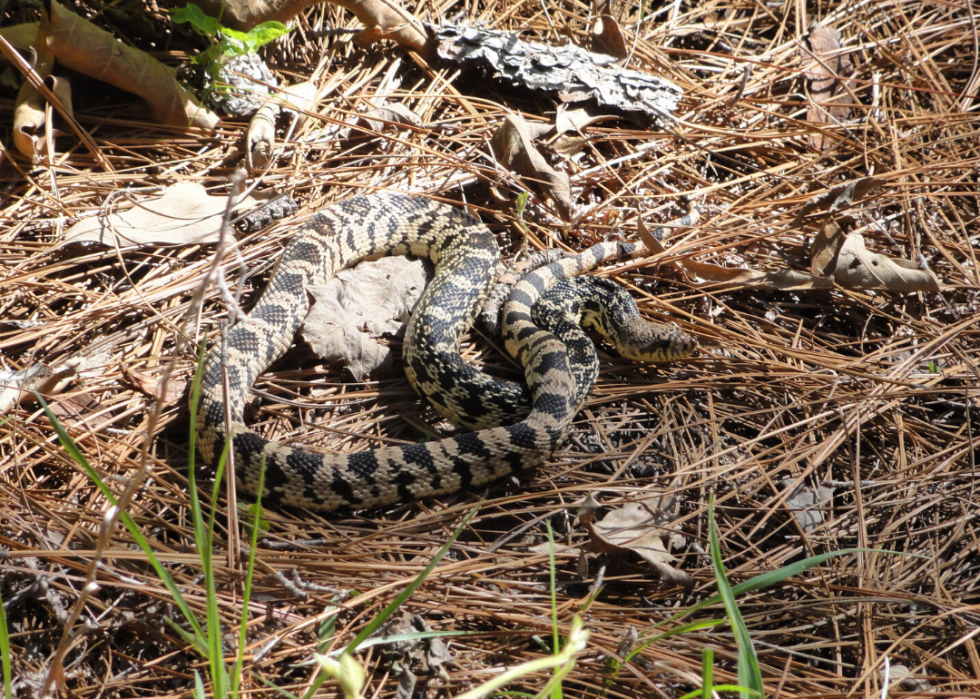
{"type": "Point", "coordinates": [465, 256]}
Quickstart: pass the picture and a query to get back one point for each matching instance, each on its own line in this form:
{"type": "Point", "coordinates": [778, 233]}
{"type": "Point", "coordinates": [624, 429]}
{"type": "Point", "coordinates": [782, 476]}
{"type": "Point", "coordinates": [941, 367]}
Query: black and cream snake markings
{"type": "Point", "coordinates": [560, 371]}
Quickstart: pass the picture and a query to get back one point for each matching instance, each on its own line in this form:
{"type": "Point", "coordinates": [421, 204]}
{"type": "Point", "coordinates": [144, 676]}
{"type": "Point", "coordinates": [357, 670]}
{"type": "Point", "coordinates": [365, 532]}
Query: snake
{"type": "Point", "coordinates": [465, 256]}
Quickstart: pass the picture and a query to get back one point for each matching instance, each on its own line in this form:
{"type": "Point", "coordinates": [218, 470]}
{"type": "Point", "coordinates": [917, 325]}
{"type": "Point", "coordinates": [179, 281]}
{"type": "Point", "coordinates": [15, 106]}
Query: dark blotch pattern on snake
{"type": "Point", "coordinates": [465, 256]}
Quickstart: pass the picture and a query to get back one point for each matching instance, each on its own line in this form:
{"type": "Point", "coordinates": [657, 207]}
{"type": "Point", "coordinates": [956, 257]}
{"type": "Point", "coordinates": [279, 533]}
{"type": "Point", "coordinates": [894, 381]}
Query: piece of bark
{"type": "Point", "coordinates": [572, 72]}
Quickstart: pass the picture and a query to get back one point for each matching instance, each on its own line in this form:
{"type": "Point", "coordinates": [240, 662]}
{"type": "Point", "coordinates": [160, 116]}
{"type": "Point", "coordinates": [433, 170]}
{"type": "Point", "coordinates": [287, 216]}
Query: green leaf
{"type": "Point", "coordinates": [749, 674]}
{"type": "Point", "coordinates": [200, 22]}
{"type": "Point", "coordinates": [198, 638]}
{"type": "Point", "coordinates": [268, 31]}
{"type": "Point", "coordinates": [8, 678]}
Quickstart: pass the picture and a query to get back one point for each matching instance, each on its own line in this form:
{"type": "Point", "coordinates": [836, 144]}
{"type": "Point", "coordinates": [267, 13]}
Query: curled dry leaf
{"type": "Point", "coordinates": [185, 214]}
{"type": "Point", "coordinates": [576, 119]}
{"type": "Point", "coordinates": [707, 274]}
{"type": "Point", "coordinates": [845, 256]}
{"type": "Point", "coordinates": [80, 45]}
{"type": "Point", "coordinates": [260, 139]}
{"type": "Point", "coordinates": [513, 147]}
{"type": "Point", "coordinates": [827, 72]}
{"type": "Point", "coordinates": [639, 527]}
{"type": "Point", "coordinates": [807, 504]}
{"type": "Point", "coordinates": [153, 386]}
{"type": "Point", "coordinates": [839, 198]}
{"type": "Point", "coordinates": [393, 113]}
{"type": "Point", "coordinates": [359, 305]}
{"type": "Point", "coordinates": [608, 38]}
{"type": "Point", "coordinates": [261, 136]}
{"type": "Point", "coordinates": [30, 136]}
{"type": "Point", "coordinates": [15, 386]}
{"type": "Point", "coordinates": [20, 36]}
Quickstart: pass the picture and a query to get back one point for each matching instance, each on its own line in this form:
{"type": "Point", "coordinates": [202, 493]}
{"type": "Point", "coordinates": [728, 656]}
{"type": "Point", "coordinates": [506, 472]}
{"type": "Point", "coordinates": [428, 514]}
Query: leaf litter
{"type": "Point", "coordinates": [871, 390]}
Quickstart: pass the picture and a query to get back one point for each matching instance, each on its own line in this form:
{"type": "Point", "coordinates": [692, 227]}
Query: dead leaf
{"type": "Point", "coordinates": [302, 98]}
{"type": "Point", "coordinates": [80, 45]}
{"type": "Point", "coordinates": [30, 135]}
{"type": "Point", "coordinates": [807, 504]}
{"type": "Point", "coordinates": [845, 256]}
{"type": "Point", "coordinates": [512, 144]}
{"type": "Point", "coordinates": [21, 36]}
{"type": "Point", "coordinates": [184, 215]}
{"type": "Point", "coordinates": [395, 113]}
{"type": "Point", "coordinates": [79, 410]}
{"type": "Point", "coordinates": [152, 386]}
{"type": "Point", "coordinates": [15, 386]}
{"type": "Point", "coordinates": [608, 38]}
{"type": "Point", "coordinates": [828, 74]}
{"type": "Point", "coordinates": [899, 676]}
{"type": "Point", "coordinates": [707, 274]}
{"type": "Point", "coordinates": [359, 305]}
{"type": "Point", "coordinates": [839, 198]}
{"type": "Point", "coordinates": [260, 139]}
{"type": "Point", "coordinates": [639, 527]}
{"type": "Point", "coordinates": [576, 119]}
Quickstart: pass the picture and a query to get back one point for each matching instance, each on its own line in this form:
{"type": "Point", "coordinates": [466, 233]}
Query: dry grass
{"type": "Point", "coordinates": [843, 386]}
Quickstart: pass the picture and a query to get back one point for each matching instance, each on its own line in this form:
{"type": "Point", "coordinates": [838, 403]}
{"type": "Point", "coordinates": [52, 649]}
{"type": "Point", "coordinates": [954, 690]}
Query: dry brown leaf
{"type": "Point", "coordinates": [839, 198]}
{"type": "Point", "coordinates": [395, 113]}
{"type": "Point", "coordinates": [21, 36]}
{"type": "Point", "coordinates": [845, 256]}
{"type": "Point", "coordinates": [707, 274]}
{"type": "Point", "coordinates": [15, 386]}
{"type": "Point", "coordinates": [260, 139]}
{"type": "Point", "coordinates": [359, 305]}
{"type": "Point", "coordinates": [512, 144]}
{"type": "Point", "coordinates": [79, 410]}
{"type": "Point", "coordinates": [303, 98]}
{"type": "Point", "coordinates": [575, 119]}
{"type": "Point", "coordinates": [29, 137]}
{"type": "Point", "coordinates": [639, 527]}
{"type": "Point", "coordinates": [82, 46]}
{"type": "Point", "coordinates": [608, 38]}
{"type": "Point", "coordinates": [806, 504]}
{"type": "Point", "coordinates": [827, 73]}
{"type": "Point", "coordinates": [29, 118]}
{"type": "Point", "coordinates": [186, 214]}
{"type": "Point", "coordinates": [152, 386]}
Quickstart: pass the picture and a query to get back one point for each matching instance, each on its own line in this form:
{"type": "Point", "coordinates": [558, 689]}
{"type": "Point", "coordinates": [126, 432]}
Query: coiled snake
{"type": "Point", "coordinates": [465, 256]}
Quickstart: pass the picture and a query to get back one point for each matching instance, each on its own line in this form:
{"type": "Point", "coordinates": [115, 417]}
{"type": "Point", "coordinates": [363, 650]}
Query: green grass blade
{"type": "Point", "coordinates": [200, 640]}
{"type": "Point", "coordinates": [413, 586]}
{"type": "Point", "coordinates": [396, 604]}
{"type": "Point", "coordinates": [247, 593]}
{"type": "Point", "coordinates": [5, 653]}
{"type": "Point", "coordinates": [204, 538]}
{"type": "Point", "coordinates": [749, 674]}
{"type": "Point", "coordinates": [707, 671]}
{"type": "Point", "coordinates": [768, 579]}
